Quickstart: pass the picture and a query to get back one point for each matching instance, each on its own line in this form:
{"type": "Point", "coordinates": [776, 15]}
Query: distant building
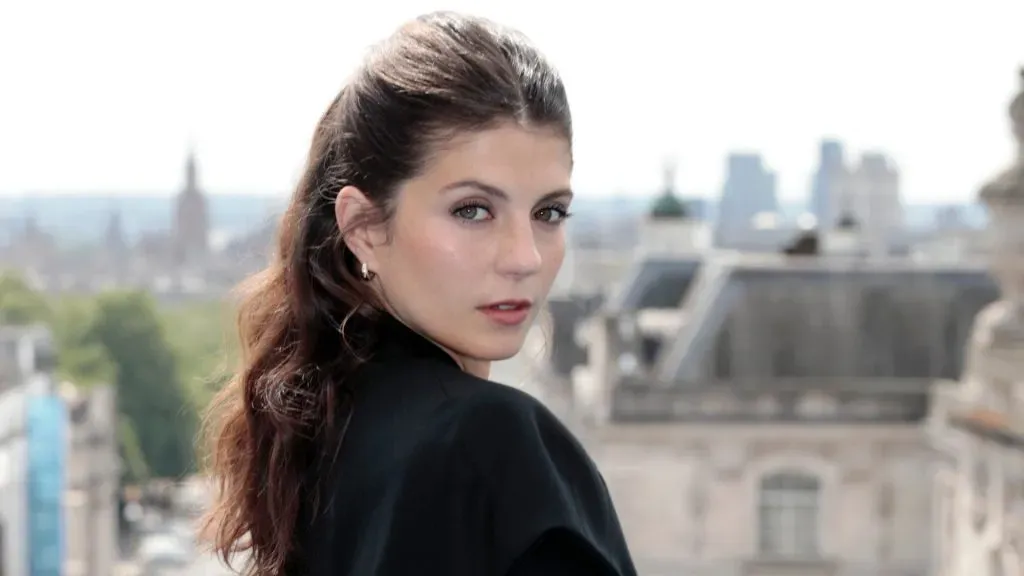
{"type": "Point", "coordinates": [765, 414]}
{"type": "Point", "coordinates": [826, 181]}
{"type": "Point", "coordinates": [749, 190]}
{"type": "Point", "coordinates": [192, 220]}
{"type": "Point", "coordinates": [31, 456]}
{"type": "Point", "coordinates": [812, 412]}
{"type": "Point", "coordinates": [870, 193]}
{"type": "Point", "coordinates": [670, 227]}
{"type": "Point", "coordinates": [93, 476]}
{"type": "Point", "coordinates": [58, 466]}
{"type": "Point", "coordinates": [867, 192]}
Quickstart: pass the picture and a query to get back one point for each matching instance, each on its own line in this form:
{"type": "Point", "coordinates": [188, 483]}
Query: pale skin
{"type": "Point", "coordinates": [483, 222]}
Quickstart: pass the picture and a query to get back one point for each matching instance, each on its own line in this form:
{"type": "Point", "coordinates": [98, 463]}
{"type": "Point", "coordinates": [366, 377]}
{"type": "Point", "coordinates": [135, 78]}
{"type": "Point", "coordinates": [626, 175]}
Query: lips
{"type": "Point", "coordinates": [509, 305]}
{"type": "Point", "coordinates": [507, 312]}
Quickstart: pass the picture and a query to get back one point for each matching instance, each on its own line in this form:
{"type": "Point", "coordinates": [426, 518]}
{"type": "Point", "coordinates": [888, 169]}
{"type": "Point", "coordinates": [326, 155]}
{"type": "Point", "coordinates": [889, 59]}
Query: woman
{"type": "Point", "coordinates": [361, 436]}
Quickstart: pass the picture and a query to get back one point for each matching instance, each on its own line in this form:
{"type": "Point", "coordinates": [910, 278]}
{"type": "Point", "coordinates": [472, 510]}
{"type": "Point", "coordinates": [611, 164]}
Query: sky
{"type": "Point", "coordinates": [107, 96]}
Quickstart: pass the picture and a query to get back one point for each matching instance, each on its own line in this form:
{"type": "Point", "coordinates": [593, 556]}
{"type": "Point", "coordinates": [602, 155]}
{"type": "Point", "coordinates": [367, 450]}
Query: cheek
{"type": "Point", "coordinates": [553, 252]}
{"type": "Point", "coordinates": [434, 253]}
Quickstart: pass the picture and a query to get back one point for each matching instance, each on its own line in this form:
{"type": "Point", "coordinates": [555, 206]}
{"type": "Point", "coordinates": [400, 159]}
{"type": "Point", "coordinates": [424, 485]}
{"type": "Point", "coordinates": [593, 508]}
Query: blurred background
{"type": "Point", "coordinates": [790, 326]}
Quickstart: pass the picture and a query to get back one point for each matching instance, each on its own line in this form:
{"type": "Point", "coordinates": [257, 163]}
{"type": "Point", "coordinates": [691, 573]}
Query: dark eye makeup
{"type": "Point", "coordinates": [479, 211]}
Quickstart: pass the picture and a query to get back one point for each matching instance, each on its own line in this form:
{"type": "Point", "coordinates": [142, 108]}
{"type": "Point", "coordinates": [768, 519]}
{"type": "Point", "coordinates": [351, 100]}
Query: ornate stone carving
{"type": "Point", "coordinates": [1017, 115]}
{"type": "Point", "coordinates": [996, 348]}
{"type": "Point", "coordinates": [994, 353]}
{"type": "Point", "coordinates": [1009, 186]}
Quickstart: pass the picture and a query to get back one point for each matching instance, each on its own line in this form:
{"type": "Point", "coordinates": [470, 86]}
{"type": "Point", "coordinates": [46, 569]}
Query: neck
{"type": "Point", "coordinates": [478, 368]}
{"type": "Point", "coordinates": [474, 366]}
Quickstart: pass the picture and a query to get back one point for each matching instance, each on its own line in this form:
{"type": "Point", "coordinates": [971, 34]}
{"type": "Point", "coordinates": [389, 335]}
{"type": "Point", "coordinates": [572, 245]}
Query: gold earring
{"type": "Point", "coordinates": [366, 273]}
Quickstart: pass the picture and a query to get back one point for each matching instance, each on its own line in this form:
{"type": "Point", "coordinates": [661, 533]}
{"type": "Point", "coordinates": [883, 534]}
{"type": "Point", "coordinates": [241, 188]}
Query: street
{"type": "Point", "coordinates": [202, 566]}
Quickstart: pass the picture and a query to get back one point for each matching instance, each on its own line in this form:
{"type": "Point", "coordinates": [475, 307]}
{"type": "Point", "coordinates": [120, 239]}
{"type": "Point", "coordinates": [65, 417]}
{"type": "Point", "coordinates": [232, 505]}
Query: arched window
{"type": "Point", "coordinates": [788, 519]}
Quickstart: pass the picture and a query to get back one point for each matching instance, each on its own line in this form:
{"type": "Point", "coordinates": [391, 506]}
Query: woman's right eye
{"type": "Point", "coordinates": [472, 213]}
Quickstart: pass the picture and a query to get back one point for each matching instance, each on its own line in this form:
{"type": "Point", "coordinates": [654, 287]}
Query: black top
{"type": "Point", "coordinates": [442, 473]}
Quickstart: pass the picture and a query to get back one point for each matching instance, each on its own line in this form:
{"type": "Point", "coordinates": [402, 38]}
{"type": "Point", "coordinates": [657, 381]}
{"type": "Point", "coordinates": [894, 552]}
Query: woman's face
{"type": "Point", "coordinates": [477, 239]}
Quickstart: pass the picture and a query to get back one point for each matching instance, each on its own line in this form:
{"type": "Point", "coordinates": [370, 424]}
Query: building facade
{"type": "Point", "coordinates": [30, 468]}
{"type": "Point", "coordinates": [749, 191]}
{"type": "Point", "coordinates": [192, 219]}
{"type": "Point", "coordinates": [767, 414]}
{"type": "Point", "coordinates": [58, 466]}
{"type": "Point", "coordinates": [811, 412]}
{"type": "Point", "coordinates": [92, 482]}
{"type": "Point", "coordinates": [13, 498]}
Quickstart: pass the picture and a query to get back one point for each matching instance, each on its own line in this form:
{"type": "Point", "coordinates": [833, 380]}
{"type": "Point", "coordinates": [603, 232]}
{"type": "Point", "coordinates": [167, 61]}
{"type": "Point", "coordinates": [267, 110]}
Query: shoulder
{"type": "Point", "coordinates": [500, 427]}
{"type": "Point", "coordinates": [491, 417]}
{"type": "Point", "coordinates": [538, 478]}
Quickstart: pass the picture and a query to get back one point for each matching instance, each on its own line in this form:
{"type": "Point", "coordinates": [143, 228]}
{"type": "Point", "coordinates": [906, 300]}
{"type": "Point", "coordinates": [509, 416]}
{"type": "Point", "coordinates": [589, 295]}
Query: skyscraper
{"type": "Point", "coordinates": [749, 190]}
{"type": "Point", "coordinates": [826, 181]}
{"type": "Point", "coordinates": [870, 193]}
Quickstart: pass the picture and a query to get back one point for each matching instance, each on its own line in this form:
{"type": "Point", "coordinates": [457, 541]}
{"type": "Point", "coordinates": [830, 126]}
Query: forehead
{"type": "Point", "coordinates": [509, 156]}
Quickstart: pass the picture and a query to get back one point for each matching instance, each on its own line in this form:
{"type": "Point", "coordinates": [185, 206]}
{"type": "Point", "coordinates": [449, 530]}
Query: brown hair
{"type": "Point", "coordinates": [306, 319]}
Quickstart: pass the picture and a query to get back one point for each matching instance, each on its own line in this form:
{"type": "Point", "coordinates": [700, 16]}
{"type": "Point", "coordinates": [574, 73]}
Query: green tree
{"type": "Point", "coordinates": [152, 399]}
{"type": "Point", "coordinates": [81, 358]}
{"type": "Point", "coordinates": [164, 363]}
{"type": "Point", "coordinates": [202, 336]}
{"type": "Point", "coordinates": [20, 305]}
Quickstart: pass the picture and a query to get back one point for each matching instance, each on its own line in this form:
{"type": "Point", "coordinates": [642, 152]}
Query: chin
{"type": "Point", "coordinates": [497, 348]}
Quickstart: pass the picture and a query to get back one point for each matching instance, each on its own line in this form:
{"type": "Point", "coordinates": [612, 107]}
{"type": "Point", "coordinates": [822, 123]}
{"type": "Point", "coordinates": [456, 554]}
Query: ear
{"type": "Point", "coordinates": [355, 215]}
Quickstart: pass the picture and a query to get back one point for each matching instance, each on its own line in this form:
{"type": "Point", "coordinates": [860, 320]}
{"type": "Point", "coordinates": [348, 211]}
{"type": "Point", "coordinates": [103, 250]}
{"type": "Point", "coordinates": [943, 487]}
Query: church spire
{"type": "Point", "coordinates": [191, 172]}
{"type": "Point", "coordinates": [192, 220]}
{"type": "Point", "coordinates": [669, 177]}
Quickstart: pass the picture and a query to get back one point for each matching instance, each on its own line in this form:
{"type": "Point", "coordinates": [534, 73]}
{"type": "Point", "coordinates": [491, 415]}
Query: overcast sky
{"type": "Point", "coordinates": [104, 96]}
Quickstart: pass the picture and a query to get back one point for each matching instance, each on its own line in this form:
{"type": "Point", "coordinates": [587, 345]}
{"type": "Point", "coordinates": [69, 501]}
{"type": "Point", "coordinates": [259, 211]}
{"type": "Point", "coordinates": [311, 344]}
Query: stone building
{"type": "Point", "coordinates": [30, 497]}
{"type": "Point", "coordinates": [58, 466]}
{"type": "Point", "coordinates": [978, 489]}
{"type": "Point", "coordinates": [782, 402]}
{"type": "Point", "coordinates": [191, 219]}
{"type": "Point", "coordinates": [670, 228]}
{"type": "Point", "coordinates": [830, 410]}
{"type": "Point", "coordinates": [93, 474]}
{"type": "Point", "coordinates": [978, 424]}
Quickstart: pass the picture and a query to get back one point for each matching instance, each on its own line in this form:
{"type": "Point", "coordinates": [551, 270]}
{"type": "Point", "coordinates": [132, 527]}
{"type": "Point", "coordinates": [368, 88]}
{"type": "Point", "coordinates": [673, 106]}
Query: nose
{"type": "Point", "coordinates": [518, 255]}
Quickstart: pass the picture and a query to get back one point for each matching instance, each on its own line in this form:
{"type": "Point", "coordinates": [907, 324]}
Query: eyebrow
{"type": "Point", "coordinates": [498, 193]}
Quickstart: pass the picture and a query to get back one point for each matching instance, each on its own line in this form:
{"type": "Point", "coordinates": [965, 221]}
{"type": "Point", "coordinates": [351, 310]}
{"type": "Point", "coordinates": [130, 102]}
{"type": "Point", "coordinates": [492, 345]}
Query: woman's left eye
{"type": "Point", "coordinates": [551, 214]}
{"type": "Point", "coordinates": [473, 213]}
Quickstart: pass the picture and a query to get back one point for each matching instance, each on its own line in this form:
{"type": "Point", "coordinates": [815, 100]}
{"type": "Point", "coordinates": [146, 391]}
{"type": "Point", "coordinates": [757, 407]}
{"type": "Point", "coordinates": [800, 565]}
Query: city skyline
{"type": "Point", "coordinates": [693, 83]}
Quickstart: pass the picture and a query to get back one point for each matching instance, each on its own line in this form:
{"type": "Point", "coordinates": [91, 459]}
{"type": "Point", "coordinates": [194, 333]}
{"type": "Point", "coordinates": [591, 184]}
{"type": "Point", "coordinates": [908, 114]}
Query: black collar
{"type": "Point", "coordinates": [395, 341]}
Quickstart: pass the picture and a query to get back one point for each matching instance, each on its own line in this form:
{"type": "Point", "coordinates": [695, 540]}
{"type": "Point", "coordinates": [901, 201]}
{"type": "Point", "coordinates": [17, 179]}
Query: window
{"type": "Point", "coordinates": [788, 515]}
{"type": "Point", "coordinates": [650, 346]}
